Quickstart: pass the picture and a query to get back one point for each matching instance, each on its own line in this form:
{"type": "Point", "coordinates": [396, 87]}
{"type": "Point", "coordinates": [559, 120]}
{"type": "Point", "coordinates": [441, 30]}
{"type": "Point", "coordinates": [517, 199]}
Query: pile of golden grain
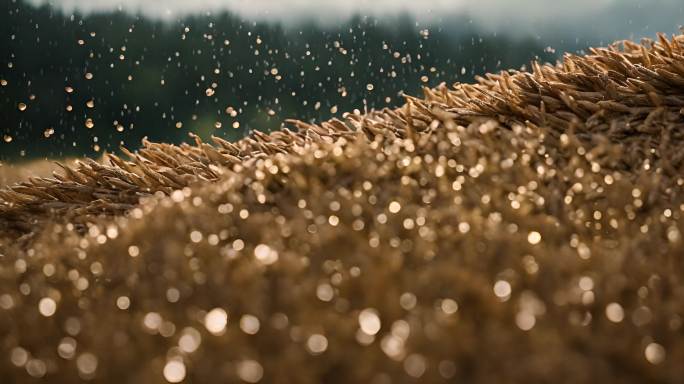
{"type": "Point", "coordinates": [527, 228]}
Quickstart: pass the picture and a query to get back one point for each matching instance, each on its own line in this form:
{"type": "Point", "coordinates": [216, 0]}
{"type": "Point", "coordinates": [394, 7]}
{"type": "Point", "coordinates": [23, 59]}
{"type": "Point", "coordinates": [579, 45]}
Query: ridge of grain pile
{"type": "Point", "coordinates": [526, 228]}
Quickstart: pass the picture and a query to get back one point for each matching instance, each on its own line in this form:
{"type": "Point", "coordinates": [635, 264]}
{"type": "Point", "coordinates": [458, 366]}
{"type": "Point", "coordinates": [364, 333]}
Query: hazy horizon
{"type": "Point", "coordinates": [565, 25]}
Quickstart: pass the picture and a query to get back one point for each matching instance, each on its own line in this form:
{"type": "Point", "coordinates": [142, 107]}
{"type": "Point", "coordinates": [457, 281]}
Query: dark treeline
{"type": "Point", "coordinates": [79, 85]}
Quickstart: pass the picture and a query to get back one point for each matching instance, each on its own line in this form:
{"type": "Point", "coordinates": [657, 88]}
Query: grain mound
{"type": "Point", "coordinates": [526, 228]}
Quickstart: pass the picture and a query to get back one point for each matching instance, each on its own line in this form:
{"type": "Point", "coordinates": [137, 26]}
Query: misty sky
{"type": "Point", "coordinates": [598, 19]}
{"type": "Point", "coordinates": [327, 10]}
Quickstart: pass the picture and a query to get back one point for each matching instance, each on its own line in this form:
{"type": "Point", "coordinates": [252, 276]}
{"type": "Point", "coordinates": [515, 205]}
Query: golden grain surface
{"type": "Point", "coordinates": [526, 228]}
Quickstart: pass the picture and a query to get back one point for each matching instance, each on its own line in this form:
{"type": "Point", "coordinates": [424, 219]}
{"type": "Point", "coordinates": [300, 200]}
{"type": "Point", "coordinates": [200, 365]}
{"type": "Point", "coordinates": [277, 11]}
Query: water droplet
{"type": "Point", "coordinates": [534, 237]}
{"type": "Point", "coordinates": [369, 321]}
{"type": "Point", "coordinates": [325, 292]}
{"type": "Point", "coordinates": [502, 289]}
{"type": "Point", "coordinates": [133, 251]}
{"type": "Point", "coordinates": [415, 365]}
{"type": "Point", "coordinates": [19, 356]}
{"type": "Point", "coordinates": [123, 302]}
{"type": "Point", "coordinates": [265, 254]}
{"type": "Point", "coordinates": [216, 320]}
{"type": "Point", "coordinates": [47, 307]}
{"type": "Point", "coordinates": [67, 348]}
{"type": "Point", "coordinates": [614, 312]}
{"type": "Point", "coordinates": [449, 306]}
{"type": "Point", "coordinates": [174, 371]}
{"type": "Point", "coordinates": [655, 353]}
{"type": "Point", "coordinates": [525, 320]}
{"type": "Point", "coordinates": [36, 368]}
{"type": "Point", "coordinates": [190, 340]}
{"type": "Point", "coordinates": [249, 324]}
{"type": "Point", "coordinates": [317, 344]}
{"type": "Point", "coordinates": [250, 371]}
{"type": "Point", "coordinates": [87, 364]}
{"type": "Point", "coordinates": [152, 321]}
{"type": "Point", "coordinates": [22, 107]}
